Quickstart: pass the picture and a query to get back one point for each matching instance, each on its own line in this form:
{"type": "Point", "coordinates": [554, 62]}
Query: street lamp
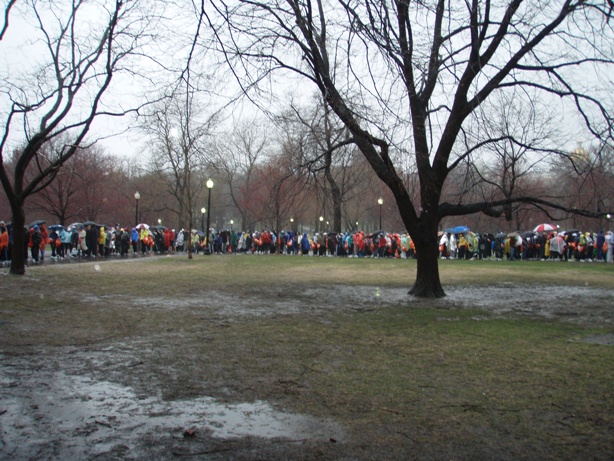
{"type": "Point", "coordinates": [321, 219]}
{"type": "Point", "coordinates": [231, 224]}
{"type": "Point", "coordinates": [203, 210]}
{"type": "Point", "coordinates": [381, 202]}
{"type": "Point", "coordinates": [159, 221]}
{"type": "Point", "coordinates": [207, 249]}
{"type": "Point", "coordinates": [137, 196]}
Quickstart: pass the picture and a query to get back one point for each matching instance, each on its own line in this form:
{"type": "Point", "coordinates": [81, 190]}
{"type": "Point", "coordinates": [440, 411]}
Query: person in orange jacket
{"type": "Point", "coordinates": [44, 242]}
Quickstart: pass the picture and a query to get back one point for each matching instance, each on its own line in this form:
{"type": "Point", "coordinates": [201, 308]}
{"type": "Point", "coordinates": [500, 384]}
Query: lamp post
{"type": "Point", "coordinates": [231, 224]}
{"type": "Point", "coordinates": [381, 202]}
{"type": "Point", "coordinates": [159, 222]}
{"type": "Point", "coordinates": [203, 210]}
{"type": "Point", "coordinates": [321, 220]}
{"type": "Point", "coordinates": [137, 196]}
{"type": "Point", "coordinates": [207, 249]}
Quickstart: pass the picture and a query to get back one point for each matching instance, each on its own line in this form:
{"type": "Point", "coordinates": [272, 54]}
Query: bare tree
{"type": "Point", "coordinates": [236, 160]}
{"type": "Point", "coordinates": [179, 128]}
{"type": "Point", "coordinates": [421, 70]}
{"type": "Point", "coordinates": [60, 91]}
{"type": "Point", "coordinates": [279, 192]}
{"type": "Point", "coordinates": [83, 188]}
{"type": "Point", "coordinates": [586, 180]}
{"type": "Point", "coordinates": [518, 139]}
{"type": "Point", "coordinates": [325, 151]}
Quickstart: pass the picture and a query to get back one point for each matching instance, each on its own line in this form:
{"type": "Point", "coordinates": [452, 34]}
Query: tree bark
{"type": "Point", "coordinates": [18, 258]}
{"type": "Point", "coordinates": [427, 284]}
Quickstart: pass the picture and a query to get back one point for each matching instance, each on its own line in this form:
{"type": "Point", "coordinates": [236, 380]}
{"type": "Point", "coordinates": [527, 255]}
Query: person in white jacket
{"type": "Point", "coordinates": [444, 246]}
{"type": "Point", "coordinates": [452, 246]}
{"type": "Point", "coordinates": [609, 238]}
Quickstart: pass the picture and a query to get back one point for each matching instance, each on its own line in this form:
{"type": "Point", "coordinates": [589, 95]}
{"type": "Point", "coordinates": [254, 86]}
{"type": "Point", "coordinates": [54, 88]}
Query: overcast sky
{"type": "Point", "coordinates": [174, 25]}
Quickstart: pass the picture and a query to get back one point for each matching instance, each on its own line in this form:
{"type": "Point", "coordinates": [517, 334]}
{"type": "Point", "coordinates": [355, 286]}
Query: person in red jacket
{"type": "Point", "coordinates": [4, 243]}
{"type": "Point", "coordinates": [381, 245]}
{"type": "Point", "coordinates": [167, 240]}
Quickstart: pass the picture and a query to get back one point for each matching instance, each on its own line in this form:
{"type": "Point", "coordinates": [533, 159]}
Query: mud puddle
{"type": "Point", "coordinates": [81, 418]}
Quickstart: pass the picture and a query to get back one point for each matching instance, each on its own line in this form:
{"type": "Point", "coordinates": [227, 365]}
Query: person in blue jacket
{"type": "Point", "coordinates": [305, 245]}
{"type": "Point", "coordinates": [134, 237]}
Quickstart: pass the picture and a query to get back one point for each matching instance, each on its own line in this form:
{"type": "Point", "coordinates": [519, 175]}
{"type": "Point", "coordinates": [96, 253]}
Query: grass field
{"type": "Point", "coordinates": [337, 339]}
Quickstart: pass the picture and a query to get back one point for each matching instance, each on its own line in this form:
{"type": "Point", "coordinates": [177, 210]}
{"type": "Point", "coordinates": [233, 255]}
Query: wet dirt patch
{"type": "Point", "coordinates": [64, 416]}
{"type": "Point", "coordinates": [569, 303]}
{"type": "Point", "coordinates": [606, 340]}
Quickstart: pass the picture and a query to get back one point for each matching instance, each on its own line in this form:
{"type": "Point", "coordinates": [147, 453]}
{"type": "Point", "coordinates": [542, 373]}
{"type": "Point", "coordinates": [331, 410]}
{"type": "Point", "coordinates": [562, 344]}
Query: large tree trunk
{"type": "Point", "coordinates": [18, 255]}
{"type": "Point", "coordinates": [427, 283]}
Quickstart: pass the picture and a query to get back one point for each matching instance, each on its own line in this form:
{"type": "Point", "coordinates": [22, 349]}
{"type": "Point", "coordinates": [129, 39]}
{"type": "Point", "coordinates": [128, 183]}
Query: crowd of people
{"type": "Point", "coordinates": [572, 245]}
{"type": "Point", "coordinates": [94, 241]}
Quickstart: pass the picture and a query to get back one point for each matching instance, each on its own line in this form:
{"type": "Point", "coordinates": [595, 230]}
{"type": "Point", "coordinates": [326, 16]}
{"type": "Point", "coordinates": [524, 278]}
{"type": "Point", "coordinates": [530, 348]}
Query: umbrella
{"type": "Point", "coordinates": [142, 226]}
{"type": "Point", "coordinates": [90, 223]}
{"type": "Point", "coordinates": [56, 227]}
{"type": "Point", "coordinates": [158, 227]}
{"type": "Point", "coordinates": [528, 234]}
{"type": "Point", "coordinates": [457, 230]}
{"type": "Point", "coordinates": [501, 235]}
{"type": "Point", "coordinates": [571, 231]}
{"type": "Point", "coordinates": [38, 222]}
{"type": "Point", "coordinates": [544, 228]}
{"type": "Point", "coordinates": [513, 234]}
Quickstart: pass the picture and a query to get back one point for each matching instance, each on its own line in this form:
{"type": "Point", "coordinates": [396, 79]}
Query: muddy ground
{"type": "Point", "coordinates": [96, 399]}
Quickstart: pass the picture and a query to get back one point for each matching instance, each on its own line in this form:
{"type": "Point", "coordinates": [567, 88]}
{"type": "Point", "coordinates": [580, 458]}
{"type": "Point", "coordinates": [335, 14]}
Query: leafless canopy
{"type": "Point", "coordinates": [57, 89]}
{"type": "Point", "coordinates": [415, 72]}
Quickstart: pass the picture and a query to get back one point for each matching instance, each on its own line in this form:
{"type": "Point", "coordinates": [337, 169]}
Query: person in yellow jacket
{"type": "Point", "coordinates": [196, 242]}
{"type": "Point", "coordinates": [508, 247]}
{"type": "Point", "coordinates": [102, 241]}
{"type": "Point", "coordinates": [462, 246]}
{"type": "Point", "coordinates": [144, 237]}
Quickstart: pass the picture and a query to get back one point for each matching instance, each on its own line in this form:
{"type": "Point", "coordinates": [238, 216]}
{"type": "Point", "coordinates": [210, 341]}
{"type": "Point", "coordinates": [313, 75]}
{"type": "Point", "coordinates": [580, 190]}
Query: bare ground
{"type": "Point", "coordinates": [138, 389]}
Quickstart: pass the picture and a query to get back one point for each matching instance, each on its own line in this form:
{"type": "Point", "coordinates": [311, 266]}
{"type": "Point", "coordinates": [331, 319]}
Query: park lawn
{"type": "Point", "coordinates": [454, 383]}
{"type": "Point", "coordinates": [235, 272]}
{"type": "Point", "coordinates": [443, 378]}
